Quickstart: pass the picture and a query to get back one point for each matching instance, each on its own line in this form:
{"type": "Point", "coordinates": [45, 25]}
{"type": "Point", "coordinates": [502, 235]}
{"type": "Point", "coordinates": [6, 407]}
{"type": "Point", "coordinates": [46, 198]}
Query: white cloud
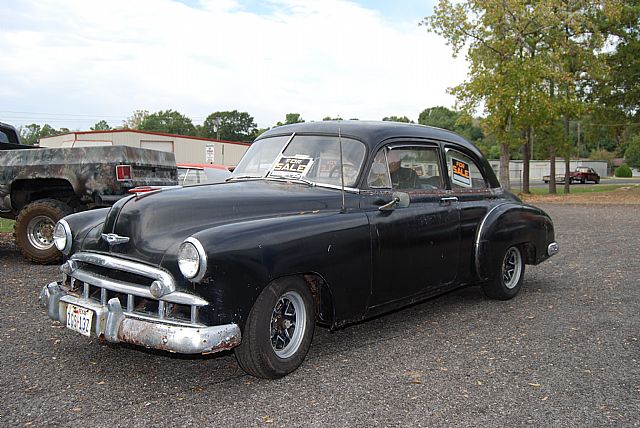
{"type": "Point", "coordinates": [317, 58]}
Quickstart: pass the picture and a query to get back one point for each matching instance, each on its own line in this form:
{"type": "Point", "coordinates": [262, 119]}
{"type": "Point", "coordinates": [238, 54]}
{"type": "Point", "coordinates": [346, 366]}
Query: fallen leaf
{"type": "Point", "coordinates": [545, 398]}
{"type": "Point", "coordinates": [76, 409]}
{"type": "Point", "coordinates": [101, 383]}
{"type": "Point", "coordinates": [537, 385]}
{"type": "Point", "coordinates": [267, 419]}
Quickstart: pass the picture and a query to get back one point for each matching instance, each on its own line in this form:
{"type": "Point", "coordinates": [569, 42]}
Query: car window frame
{"type": "Point", "coordinates": [448, 146]}
{"type": "Point", "coordinates": [405, 143]}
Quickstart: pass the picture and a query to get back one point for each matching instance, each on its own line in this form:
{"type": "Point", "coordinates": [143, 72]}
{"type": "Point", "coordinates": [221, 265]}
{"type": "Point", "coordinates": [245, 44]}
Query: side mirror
{"type": "Point", "coordinates": [399, 200]}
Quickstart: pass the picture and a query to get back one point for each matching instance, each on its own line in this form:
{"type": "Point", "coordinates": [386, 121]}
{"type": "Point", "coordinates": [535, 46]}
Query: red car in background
{"type": "Point", "coordinates": [582, 174]}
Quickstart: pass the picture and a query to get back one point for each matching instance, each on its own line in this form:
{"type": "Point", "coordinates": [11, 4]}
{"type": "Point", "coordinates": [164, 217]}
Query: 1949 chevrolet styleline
{"type": "Point", "coordinates": [323, 223]}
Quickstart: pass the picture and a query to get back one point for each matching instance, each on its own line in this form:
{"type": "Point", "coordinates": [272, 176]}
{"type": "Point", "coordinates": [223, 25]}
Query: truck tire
{"type": "Point", "coordinates": [34, 230]}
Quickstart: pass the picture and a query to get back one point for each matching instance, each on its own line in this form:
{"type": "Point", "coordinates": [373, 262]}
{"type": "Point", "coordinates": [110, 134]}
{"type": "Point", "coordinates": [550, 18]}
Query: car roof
{"type": "Point", "coordinates": [370, 132]}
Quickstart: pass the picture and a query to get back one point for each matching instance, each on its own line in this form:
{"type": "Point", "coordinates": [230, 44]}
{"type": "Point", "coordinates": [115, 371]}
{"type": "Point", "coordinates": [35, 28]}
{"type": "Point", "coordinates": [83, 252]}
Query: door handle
{"type": "Point", "coordinates": [448, 200]}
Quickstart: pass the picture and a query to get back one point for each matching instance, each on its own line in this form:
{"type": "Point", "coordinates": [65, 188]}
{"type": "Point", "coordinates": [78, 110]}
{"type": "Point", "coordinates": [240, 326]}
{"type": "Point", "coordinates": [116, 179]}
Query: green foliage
{"type": "Point", "coordinates": [623, 171]}
{"type": "Point", "coordinates": [632, 152]}
{"type": "Point", "coordinates": [101, 126]}
{"type": "Point", "coordinates": [168, 121]}
{"type": "Point", "coordinates": [333, 118]}
{"type": "Point", "coordinates": [459, 122]}
{"type": "Point", "coordinates": [601, 154]}
{"type": "Point", "coordinates": [403, 119]}
{"type": "Point", "coordinates": [291, 118]}
{"type": "Point", "coordinates": [32, 133]}
{"type": "Point", "coordinates": [135, 120]}
{"type": "Point", "coordinates": [230, 126]}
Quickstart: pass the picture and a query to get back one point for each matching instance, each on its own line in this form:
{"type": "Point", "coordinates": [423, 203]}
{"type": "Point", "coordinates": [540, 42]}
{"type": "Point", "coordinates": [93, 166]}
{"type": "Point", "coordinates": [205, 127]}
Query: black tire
{"type": "Point", "coordinates": [34, 230]}
{"type": "Point", "coordinates": [510, 276]}
{"type": "Point", "coordinates": [263, 351]}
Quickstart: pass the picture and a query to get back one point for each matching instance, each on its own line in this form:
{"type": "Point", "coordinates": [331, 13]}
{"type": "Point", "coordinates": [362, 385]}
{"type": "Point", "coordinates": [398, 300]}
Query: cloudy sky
{"type": "Point", "coordinates": [70, 63]}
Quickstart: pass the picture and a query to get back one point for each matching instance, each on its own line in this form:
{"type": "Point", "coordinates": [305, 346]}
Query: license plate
{"type": "Point", "coordinates": [79, 319]}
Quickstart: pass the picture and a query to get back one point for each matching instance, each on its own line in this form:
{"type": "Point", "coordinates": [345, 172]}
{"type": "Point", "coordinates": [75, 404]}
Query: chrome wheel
{"type": "Point", "coordinates": [40, 232]}
{"type": "Point", "coordinates": [512, 267]}
{"type": "Point", "coordinates": [288, 324]}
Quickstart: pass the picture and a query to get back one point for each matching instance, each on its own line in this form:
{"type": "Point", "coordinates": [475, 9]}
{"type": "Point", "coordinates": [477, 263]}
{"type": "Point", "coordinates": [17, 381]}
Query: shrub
{"type": "Point", "coordinates": [623, 171]}
{"type": "Point", "coordinates": [632, 153]}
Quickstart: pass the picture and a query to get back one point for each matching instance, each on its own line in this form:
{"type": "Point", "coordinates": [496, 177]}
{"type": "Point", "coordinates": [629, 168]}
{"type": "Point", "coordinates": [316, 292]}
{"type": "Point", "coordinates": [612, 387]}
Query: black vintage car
{"type": "Point", "coordinates": [323, 223]}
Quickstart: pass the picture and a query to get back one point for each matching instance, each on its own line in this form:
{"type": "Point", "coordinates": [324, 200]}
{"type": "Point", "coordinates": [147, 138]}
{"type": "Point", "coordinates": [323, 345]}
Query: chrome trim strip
{"type": "Point", "coordinates": [484, 220]}
{"type": "Point", "coordinates": [125, 265]}
{"type": "Point", "coordinates": [202, 265]}
{"type": "Point", "coordinates": [125, 288]}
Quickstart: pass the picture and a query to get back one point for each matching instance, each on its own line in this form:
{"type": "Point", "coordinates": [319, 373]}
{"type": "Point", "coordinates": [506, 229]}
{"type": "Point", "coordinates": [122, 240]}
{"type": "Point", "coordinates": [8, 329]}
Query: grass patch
{"type": "Point", "coordinates": [575, 189]}
{"type": "Point", "coordinates": [6, 225]}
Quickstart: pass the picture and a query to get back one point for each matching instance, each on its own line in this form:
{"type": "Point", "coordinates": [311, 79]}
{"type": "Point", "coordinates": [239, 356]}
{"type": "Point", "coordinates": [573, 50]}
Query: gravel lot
{"type": "Point", "coordinates": [563, 353]}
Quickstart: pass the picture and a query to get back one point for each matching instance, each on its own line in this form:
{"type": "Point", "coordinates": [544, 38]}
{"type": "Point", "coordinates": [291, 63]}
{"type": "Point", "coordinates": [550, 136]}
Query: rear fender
{"type": "Point", "coordinates": [506, 225]}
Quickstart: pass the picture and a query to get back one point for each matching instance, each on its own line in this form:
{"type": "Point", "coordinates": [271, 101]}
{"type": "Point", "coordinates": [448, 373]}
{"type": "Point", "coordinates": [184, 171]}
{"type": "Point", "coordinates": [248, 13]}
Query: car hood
{"type": "Point", "coordinates": [156, 223]}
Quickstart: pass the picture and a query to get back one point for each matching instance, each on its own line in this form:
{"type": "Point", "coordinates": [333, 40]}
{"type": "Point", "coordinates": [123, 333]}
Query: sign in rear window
{"type": "Point", "coordinates": [460, 173]}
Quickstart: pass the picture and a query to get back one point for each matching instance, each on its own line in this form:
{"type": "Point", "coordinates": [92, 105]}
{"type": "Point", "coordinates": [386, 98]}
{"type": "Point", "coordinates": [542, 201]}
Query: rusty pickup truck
{"type": "Point", "coordinates": [39, 186]}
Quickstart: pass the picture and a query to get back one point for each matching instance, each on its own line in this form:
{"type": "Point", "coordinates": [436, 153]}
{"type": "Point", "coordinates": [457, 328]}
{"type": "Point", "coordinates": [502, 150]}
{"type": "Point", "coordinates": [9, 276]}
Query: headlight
{"type": "Point", "coordinates": [62, 237]}
{"type": "Point", "coordinates": [192, 259]}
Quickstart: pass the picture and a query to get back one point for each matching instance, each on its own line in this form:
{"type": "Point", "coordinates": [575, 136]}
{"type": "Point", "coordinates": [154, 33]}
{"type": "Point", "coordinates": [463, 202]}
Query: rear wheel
{"type": "Point", "coordinates": [34, 230]}
{"type": "Point", "coordinates": [508, 282]}
{"type": "Point", "coordinates": [279, 330]}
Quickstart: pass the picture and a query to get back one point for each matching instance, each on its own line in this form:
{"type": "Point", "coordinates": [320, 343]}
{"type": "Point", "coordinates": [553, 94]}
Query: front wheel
{"type": "Point", "coordinates": [34, 230]}
{"type": "Point", "coordinates": [279, 330]}
{"type": "Point", "coordinates": [509, 279]}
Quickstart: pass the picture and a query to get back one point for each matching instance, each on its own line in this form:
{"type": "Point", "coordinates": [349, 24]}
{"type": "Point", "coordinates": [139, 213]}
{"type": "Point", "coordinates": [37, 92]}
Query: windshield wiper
{"type": "Point", "coordinates": [242, 177]}
{"type": "Point", "coordinates": [300, 179]}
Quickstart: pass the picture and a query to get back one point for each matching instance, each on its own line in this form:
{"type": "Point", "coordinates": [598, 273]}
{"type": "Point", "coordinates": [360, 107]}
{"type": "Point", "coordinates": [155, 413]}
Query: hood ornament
{"type": "Point", "coordinates": [114, 239]}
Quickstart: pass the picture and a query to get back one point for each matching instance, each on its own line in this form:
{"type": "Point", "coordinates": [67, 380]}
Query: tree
{"type": "Point", "coordinates": [168, 121]}
{"type": "Point", "coordinates": [403, 119]}
{"type": "Point", "coordinates": [326, 118]}
{"type": "Point", "coordinates": [101, 126]}
{"type": "Point", "coordinates": [135, 120]}
{"type": "Point", "coordinates": [291, 118]}
{"type": "Point", "coordinates": [439, 117]}
{"type": "Point", "coordinates": [632, 153]}
{"type": "Point", "coordinates": [229, 125]}
{"type": "Point", "coordinates": [529, 65]}
{"type": "Point", "coordinates": [29, 134]}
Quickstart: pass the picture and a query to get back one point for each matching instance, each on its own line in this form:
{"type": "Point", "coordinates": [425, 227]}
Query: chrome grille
{"type": "Point", "coordinates": [100, 278]}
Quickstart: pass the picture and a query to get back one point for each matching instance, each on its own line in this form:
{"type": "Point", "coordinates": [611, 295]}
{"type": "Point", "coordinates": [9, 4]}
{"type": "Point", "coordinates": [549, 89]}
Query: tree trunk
{"type": "Point", "coordinates": [526, 156]}
{"type": "Point", "coordinates": [504, 166]}
{"type": "Point", "coordinates": [567, 174]}
{"type": "Point", "coordinates": [552, 170]}
{"type": "Point", "coordinates": [567, 158]}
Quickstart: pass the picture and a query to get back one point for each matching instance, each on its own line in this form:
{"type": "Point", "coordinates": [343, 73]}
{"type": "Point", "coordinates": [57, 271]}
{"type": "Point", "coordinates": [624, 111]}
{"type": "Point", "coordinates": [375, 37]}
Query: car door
{"type": "Point", "coordinates": [414, 247]}
{"type": "Point", "coordinates": [474, 199]}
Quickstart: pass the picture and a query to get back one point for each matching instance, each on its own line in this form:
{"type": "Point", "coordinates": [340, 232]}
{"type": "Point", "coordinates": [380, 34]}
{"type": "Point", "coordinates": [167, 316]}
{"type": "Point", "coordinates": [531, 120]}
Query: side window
{"type": "Point", "coordinates": [379, 173]}
{"type": "Point", "coordinates": [3, 137]}
{"type": "Point", "coordinates": [407, 168]}
{"type": "Point", "coordinates": [463, 172]}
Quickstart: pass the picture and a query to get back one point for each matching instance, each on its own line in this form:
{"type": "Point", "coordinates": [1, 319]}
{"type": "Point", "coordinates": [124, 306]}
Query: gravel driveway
{"type": "Point", "coordinates": [563, 353]}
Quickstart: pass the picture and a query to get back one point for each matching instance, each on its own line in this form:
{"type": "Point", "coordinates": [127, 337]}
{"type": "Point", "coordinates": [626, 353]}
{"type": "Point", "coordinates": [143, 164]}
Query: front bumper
{"type": "Point", "coordinates": [112, 324]}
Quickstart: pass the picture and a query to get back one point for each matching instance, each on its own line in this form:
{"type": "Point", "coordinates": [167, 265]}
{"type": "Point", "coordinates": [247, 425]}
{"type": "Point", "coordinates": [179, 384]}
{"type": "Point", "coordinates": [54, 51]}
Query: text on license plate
{"type": "Point", "coordinates": [79, 319]}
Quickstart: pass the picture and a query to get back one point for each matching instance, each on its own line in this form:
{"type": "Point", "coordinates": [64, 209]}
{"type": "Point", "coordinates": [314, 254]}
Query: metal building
{"type": "Point", "coordinates": [185, 148]}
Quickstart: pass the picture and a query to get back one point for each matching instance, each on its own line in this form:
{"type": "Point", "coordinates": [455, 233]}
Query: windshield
{"type": "Point", "coordinates": [306, 157]}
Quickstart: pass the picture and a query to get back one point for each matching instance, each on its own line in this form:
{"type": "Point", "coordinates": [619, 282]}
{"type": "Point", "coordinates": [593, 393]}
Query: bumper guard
{"type": "Point", "coordinates": [114, 325]}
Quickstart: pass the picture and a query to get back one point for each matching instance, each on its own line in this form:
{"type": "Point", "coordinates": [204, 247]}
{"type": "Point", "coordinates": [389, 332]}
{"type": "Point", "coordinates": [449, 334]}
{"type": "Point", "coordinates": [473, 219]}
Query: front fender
{"type": "Point", "coordinates": [506, 225]}
{"type": "Point", "coordinates": [244, 257]}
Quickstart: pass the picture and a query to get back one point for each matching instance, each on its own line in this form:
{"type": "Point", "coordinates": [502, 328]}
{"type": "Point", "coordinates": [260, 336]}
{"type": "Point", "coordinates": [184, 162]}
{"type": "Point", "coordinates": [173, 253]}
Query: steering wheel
{"type": "Point", "coordinates": [350, 172]}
